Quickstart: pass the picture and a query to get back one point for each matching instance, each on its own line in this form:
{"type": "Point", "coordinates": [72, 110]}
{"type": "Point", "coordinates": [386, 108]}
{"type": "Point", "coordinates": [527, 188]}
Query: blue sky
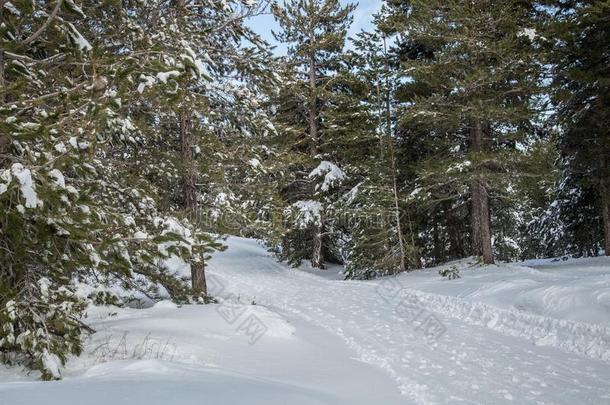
{"type": "Point", "coordinates": [363, 16]}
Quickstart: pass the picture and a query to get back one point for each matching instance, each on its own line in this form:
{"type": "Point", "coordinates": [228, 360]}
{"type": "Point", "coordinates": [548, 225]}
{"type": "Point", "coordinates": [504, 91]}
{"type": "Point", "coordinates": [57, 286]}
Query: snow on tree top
{"type": "Point", "coordinates": [28, 188]}
{"type": "Point", "coordinates": [331, 172]}
{"type": "Point", "coordinates": [309, 213]}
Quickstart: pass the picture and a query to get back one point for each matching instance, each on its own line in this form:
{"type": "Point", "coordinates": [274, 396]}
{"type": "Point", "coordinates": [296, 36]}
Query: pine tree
{"type": "Point", "coordinates": [475, 84]}
{"type": "Point", "coordinates": [315, 32]}
{"type": "Point", "coordinates": [580, 32]}
{"type": "Point", "coordinates": [90, 156]}
{"type": "Point", "coordinates": [49, 226]}
{"type": "Point", "coordinates": [381, 222]}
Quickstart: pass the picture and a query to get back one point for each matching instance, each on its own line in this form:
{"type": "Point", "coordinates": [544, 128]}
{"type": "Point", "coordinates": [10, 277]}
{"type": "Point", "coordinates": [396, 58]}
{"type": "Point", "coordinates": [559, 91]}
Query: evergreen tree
{"type": "Point", "coordinates": [380, 220]}
{"type": "Point", "coordinates": [315, 33]}
{"type": "Point", "coordinates": [579, 33]}
{"type": "Point", "coordinates": [475, 84]}
{"type": "Point", "coordinates": [90, 104]}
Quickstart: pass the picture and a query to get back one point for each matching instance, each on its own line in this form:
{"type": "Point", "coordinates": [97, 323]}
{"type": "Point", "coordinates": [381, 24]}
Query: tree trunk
{"type": "Point", "coordinates": [3, 138]}
{"type": "Point", "coordinates": [198, 282]}
{"type": "Point", "coordinates": [189, 195]}
{"type": "Point", "coordinates": [189, 190]}
{"type": "Point", "coordinates": [2, 82]}
{"type": "Point", "coordinates": [605, 203]}
{"type": "Point", "coordinates": [480, 214]}
{"type": "Point", "coordinates": [386, 221]}
{"type": "Point", "coordinates": [388, 130]}
{"type": "Point", "coordinates": [397, 216]}
{"type": "Point", "coordinates": [317, 258]}
{"type": "Point", "coordinates": [606, 216]}
{"type": "Point", "coordinates": [313, 108]}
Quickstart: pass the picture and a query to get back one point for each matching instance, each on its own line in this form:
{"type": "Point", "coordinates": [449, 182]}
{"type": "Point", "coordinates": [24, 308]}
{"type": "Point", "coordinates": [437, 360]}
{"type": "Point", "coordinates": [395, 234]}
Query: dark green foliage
{"type": "Point", "coordinates": [91, 164]}
{"type": "Point", "coordinates": [40, 326]}
{"type": "Point", "coordinates": [474, 72]}
{"type": "Point", "coordinates": [311, 111]}
{"type": "Point", "coordinates": [450, 273]}
{"type": "Point", "coordinates": [581, 91]}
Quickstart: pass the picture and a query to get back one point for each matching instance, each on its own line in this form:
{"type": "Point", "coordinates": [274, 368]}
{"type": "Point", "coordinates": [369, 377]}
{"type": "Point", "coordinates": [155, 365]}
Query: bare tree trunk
{"type": "Point", "coordinates": [313, 107]}
{"type": "Point", "coordinates": [386, 223]}
{"type": "Point", "coordinates": [2, 80]}
{"type": "Point", "coordinates": [605, 203]}
{"type": "Point", "coordinates": [317, 254]}
{"type": "Point", "coordinates": [189, 195]}
{"type": "Point", "coordinates": [388, 129]}
{"type": "Point", "coordinates": [606, 217]}
{"type": "Point", "coordinates": [317, 258]}
{"type": "Point", "coordinates": [3, 137]}
{"type": "Point", "coordinates": [198, 282]}
{"type": "Point", "coordinates": [480, 213]}
{"type": "Point", "coordinates": [397, 215]}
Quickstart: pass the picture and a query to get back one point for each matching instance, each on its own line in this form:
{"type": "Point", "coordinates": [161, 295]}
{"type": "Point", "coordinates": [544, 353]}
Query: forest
{"type": "Point", "coordinates": [135, 135]}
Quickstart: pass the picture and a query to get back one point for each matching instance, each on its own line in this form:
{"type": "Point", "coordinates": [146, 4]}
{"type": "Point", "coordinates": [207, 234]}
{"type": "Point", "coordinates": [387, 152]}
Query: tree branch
{"type": "Point", "coordinates": [44, 26]}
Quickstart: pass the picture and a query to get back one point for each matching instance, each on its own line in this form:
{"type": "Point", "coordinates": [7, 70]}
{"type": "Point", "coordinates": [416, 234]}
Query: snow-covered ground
{"type": "Point", "coordinates": [574, 289]}
{"type": "Point", "coordinates": [192, 355]}
{"type": "Point", "coordinates": [533, 333]}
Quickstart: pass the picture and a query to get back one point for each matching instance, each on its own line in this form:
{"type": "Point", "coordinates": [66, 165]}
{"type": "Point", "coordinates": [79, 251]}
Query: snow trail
{"type": "Point", "coordinates": [486, 354]}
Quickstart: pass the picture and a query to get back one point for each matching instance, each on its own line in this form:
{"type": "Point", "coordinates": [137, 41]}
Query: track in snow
{"type": "Point", "coordinates": [485, 356]}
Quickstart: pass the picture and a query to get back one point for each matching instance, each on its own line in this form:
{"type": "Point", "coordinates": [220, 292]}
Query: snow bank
{"type": "Point", "coordinates": [574, 290]}
{"type": "Point", "coordinates": [196, 354]}
{"type": "Point", "coordinates": [582, 338]}
{"type": "Point", "coordinates": [511, 334]}
{"type": "Point", "coordinates": [489, 351]}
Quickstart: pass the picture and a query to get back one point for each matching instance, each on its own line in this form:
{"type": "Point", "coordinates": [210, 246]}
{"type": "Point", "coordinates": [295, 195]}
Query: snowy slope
{"type": "Point", "coordinates": [191, 355]}
{"type": "Point", "coordinates": [536, 333]}
{"type": "Point", "coordinates": [487, 355]}
{"type": "Point", "coordinates": [576, 289]}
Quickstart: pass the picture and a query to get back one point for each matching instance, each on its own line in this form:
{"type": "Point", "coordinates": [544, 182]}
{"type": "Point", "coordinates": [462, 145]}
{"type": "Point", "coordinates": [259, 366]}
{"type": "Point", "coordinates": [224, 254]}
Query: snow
{"type": "Point", "coordinates": [5, 179]}
{"type": "Point", "coordinates": [173, 226]}
{"type": "Point", "coordinates": [192, 355]}
{"type": "Point", "coordinates": [11, 8]}
{"type": "Point", "coordinates": [332, 175]}
{"type": "Point", "coordinates": [75, 8]}
{"type": "Point", "coordinates": [192, 58]}
{"type": "Point", "coordinates": [573, 290]}
{"type": "Point", "coordinates": [527, 333]}
{"type": "Point", "coordinates": [44, 285]}
{"type": "Point", "coordinates": [27, 186]}
{"type": "Point", "coordinates": [459, 167]}
{"type": "Point", "coordinates": [504, 360]}
{"type": "Point", "coordinates": [164, 76]}
{"type": "Point", "coordinates": [255, 163]}
{"type": "Point", "coordinates": [58, 178]}
{"type": "Point", "coordinates": [309, 212]}
{"type": "Point", "coordinates": [61, 147]}
{"type": "Point", "coordinates": [176, 264]}
{"type": "Point", "coordinates": [78, 38]}
{"type": "Point", "coordinates": [145, 81]}
{"type": "Point", "coordinates": [51, 363]}
{"type": "Point", "coordinates": [530, 33]}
